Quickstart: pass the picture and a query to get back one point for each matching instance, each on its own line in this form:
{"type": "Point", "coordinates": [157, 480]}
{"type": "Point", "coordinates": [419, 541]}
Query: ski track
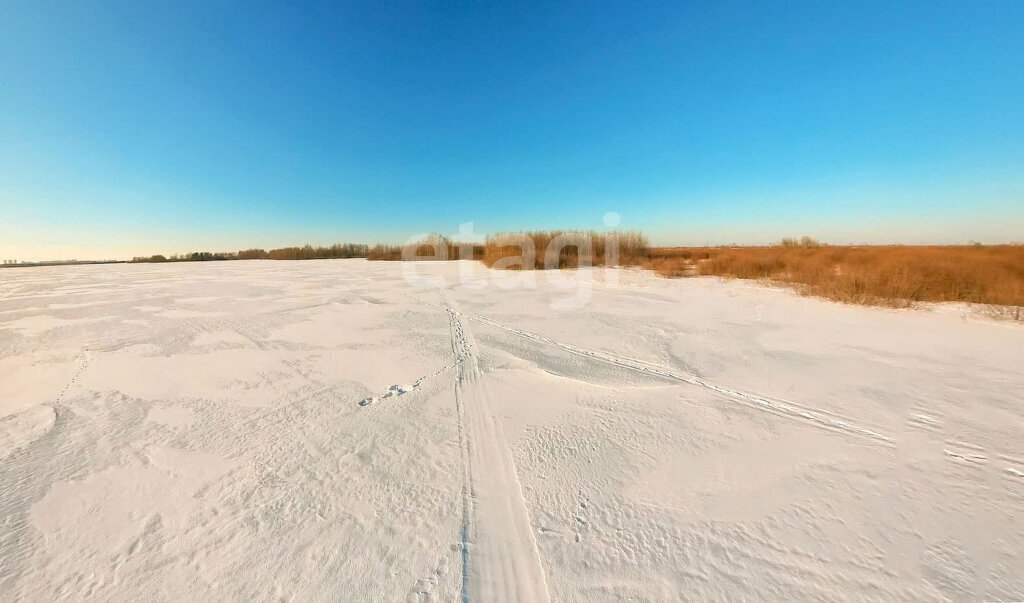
{"type": "Point", "coordinates": [783, 408]}
{"type": "Point", "coordinates": [501, 561]}
{"type": "Point", "coordinates": [790, 410]}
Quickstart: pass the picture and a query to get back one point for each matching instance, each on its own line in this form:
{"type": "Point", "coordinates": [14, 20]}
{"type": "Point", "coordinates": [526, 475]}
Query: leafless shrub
{"type": "Point", "coordinates": [568, 249]}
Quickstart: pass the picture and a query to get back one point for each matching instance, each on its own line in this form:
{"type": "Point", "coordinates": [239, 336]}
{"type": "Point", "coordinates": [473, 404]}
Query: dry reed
{"type": "Point", "coordinates": [886, 275]}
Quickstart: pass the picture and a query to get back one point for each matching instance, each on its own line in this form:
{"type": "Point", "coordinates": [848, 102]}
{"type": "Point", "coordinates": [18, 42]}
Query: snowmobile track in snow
{"type": "Point", "coordinates": [501, 561]}
{"type": "Point", "coordinates": [782, 408]}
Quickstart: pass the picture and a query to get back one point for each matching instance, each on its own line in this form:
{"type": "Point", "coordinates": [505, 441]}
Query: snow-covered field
{"type": "Point", "coordinates": [315, 430]}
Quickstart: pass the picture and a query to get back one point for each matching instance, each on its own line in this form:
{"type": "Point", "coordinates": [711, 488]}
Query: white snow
{"type": "Point", "coordinates": [327, 430]}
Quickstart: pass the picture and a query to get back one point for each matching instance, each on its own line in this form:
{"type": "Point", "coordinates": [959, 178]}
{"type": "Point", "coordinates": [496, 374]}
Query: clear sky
{"type": "Point", "coordinates": [142, 127]}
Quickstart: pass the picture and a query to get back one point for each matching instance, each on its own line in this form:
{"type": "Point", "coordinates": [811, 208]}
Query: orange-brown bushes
{"type": "Point", "coordinates": [675, 261]}
{"type": "Point", "coordinates": [571, 249]}
{"type": "Point", "coordinates": [891, 275]}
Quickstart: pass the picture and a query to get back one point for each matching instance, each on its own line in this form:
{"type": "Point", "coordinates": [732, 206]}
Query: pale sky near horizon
{"type": "Point", "coordinates": [133, 128]}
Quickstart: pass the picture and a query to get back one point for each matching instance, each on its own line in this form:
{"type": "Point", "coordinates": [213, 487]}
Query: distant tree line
{"type": "Point", "coordinates": [307, 252]}
{"type": "Point", "coordinates": [431, 247]}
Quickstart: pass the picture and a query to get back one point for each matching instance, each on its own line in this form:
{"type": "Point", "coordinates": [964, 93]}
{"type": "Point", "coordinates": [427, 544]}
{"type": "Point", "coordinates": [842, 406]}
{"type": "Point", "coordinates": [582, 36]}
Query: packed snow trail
{"type": "Point", "coordinates": [501, 560]}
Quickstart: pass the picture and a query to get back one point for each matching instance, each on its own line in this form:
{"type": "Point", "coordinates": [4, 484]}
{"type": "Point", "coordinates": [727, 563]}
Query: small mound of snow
{"type": "Point", "coordinates": [393, 392]}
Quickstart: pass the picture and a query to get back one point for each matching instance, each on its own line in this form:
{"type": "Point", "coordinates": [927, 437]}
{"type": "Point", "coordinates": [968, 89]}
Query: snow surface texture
{"type": "Point", "coordinates": [324, 430]}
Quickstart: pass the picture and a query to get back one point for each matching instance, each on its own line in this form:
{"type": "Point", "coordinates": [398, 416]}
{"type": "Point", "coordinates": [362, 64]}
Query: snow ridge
{"type": "Point", "coordinates": [782, 408]}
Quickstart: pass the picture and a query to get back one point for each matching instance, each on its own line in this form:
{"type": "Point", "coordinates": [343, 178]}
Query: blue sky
{"type": "Point", "coordinates": [143, 127]}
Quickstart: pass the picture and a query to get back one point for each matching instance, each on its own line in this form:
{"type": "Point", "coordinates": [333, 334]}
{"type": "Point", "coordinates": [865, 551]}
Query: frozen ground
{"type": "Point", "coordinates": [315, 430]}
